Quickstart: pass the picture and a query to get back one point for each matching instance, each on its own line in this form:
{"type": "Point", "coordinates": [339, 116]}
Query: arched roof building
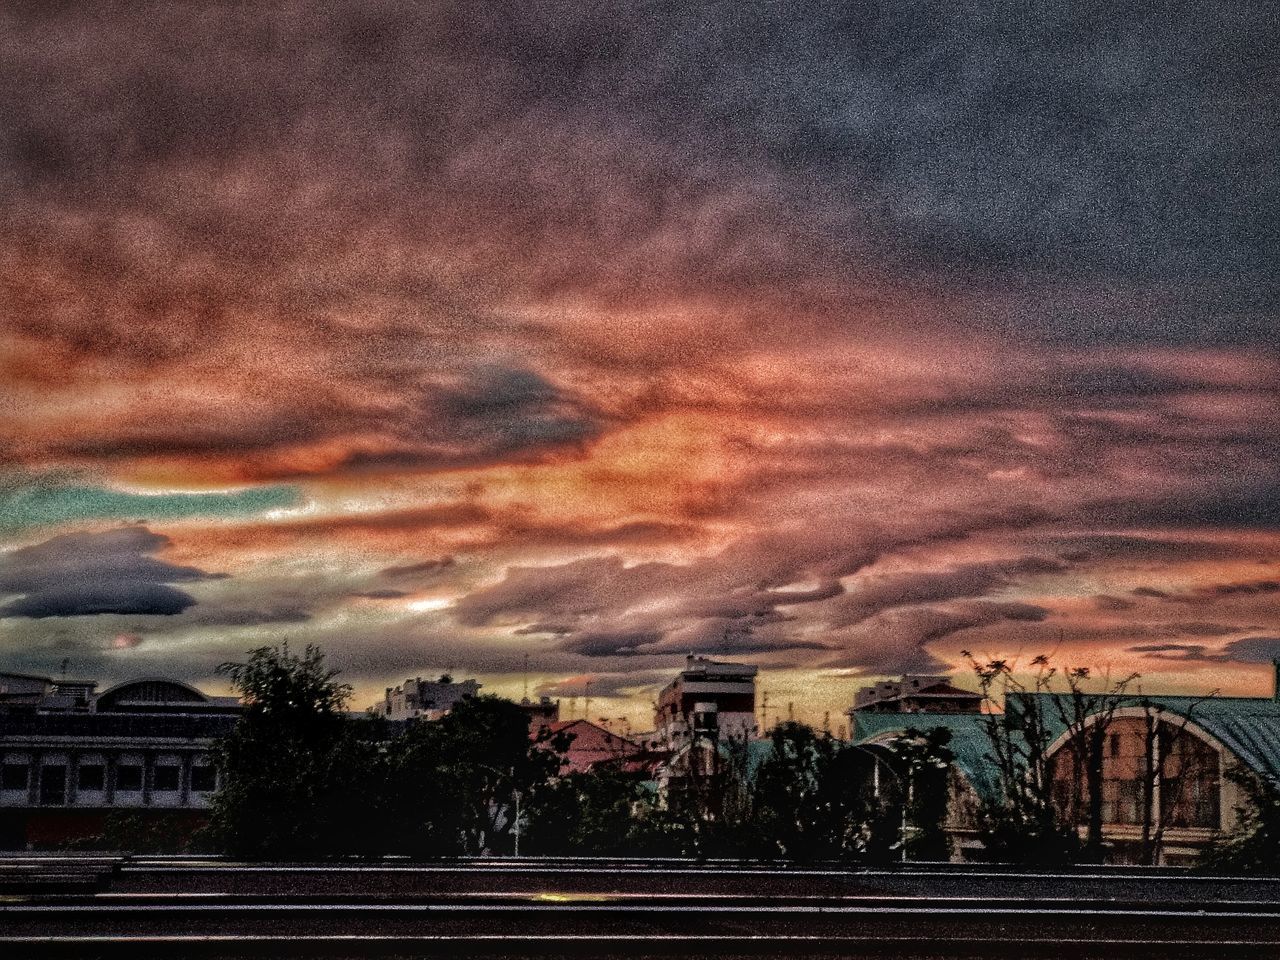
{"type": "Point", "coordinates": [1195, 797]}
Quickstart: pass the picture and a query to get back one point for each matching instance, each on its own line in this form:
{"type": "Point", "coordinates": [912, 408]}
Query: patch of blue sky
{"type": "Point", "coordinates": [34, 505]}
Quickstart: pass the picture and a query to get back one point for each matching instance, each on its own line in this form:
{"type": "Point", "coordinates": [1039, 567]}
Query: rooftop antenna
{"type": "Point", "coordinates": [791, 711]}
{"type": "Point", "coordinates": [525, 695]}
{"type": "Point", "coordinates": [586, 706]}
{"type": "Point", "coordinates": [764, 713]}
{"type": "Point", "coordinates": [826, 722]}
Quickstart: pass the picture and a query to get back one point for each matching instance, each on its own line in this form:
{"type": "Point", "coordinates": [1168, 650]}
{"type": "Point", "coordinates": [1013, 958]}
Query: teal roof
{"type": "Point", "coordinates": [1247, 726]}
{"type": "Point", "coordinates": [969, 743]}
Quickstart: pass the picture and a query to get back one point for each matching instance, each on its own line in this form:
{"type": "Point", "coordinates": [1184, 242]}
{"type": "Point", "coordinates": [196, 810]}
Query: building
{"type": "Point", "coordinates": [424, 699]}
{"type": "Point", "coordinates": [1169, 767]}
{"type": "Point", "coordinates": [914, 693]}
{"type": "Point", "coordinates": [71, 756]}
{"type": "Point", "coordinates": [591, 746]}
{"type": "Point", "coordinates": [707, 696]}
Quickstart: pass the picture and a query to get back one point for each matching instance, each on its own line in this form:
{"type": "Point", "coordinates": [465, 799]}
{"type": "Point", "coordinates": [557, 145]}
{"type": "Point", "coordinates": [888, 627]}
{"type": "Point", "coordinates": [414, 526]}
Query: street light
{"type": "Point", "coordinates": [515, 823]}
{"type": "Point", "coordinates": [910, 785]}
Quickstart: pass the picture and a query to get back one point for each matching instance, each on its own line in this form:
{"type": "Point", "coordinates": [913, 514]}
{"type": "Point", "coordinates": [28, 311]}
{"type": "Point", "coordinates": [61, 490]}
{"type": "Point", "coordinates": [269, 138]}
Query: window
{"type": "Point", "coordinates": [91, 776]}
{"type": "Point", "coordinates": [204, 779]}
{"type": "Point", "coordinates": [13, 776]}
{"type": "Point", "coordinates": [129, 777]}
{"type": "Point", "coordinates": [1115, 745]}
{"type": "Point", "coordinates": [166, 778]}
{"type": "Point", "coordinates": [53, 785]}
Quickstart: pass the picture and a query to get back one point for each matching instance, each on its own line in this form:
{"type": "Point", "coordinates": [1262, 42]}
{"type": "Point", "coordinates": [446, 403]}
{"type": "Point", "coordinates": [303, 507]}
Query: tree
{"type": "Point", "coordinates": [925, 763]}
{"type": "Point", "coordinates": [1030, 823]}
{"type": "Point", "coordinates": [1253, 847]}
{"type": "Point", "coordinates": [814, 798]}
{"type": "Point", "coordinates": [598, 813]}
{"type": "Point", "coordinates": [295, 777]}
{"type": "Point", "coordinates": [794, 813]}
{"type": "Point", "coordinates": [458, 781]}
{"type": "Point", "coordinates": [1020, 823]}
{"type": "Point", "coordinates": [1165, 738]}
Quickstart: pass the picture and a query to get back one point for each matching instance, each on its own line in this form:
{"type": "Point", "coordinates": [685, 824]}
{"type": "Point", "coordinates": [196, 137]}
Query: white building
{"type": "Point", "coordinates": [424, 699]}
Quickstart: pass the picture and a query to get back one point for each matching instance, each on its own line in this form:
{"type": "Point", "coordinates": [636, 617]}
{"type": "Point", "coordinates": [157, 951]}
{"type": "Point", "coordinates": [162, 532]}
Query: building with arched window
{"type": "Point", "coordinates": [70, 757]}
{"type": "Point", "coordinates": [1169, 767]}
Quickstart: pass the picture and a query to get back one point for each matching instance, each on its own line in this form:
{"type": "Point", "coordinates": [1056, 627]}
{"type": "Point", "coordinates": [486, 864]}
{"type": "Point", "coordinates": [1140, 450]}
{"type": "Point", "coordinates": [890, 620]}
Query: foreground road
{"type": "Point", "coordinates": [172, 908]}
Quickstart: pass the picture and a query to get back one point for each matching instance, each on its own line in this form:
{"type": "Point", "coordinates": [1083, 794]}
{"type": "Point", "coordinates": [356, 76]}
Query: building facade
{"type": "Point", "coordinates": [708, 696]}
{"type": "Point", "coordinates": [71, 757]}
{"type": "Point", "coordinates": [418, 699]}
{"type": "Point", "coordinates": [1170, 768]}
{"type": "Point", "coordinates": [914, 693]}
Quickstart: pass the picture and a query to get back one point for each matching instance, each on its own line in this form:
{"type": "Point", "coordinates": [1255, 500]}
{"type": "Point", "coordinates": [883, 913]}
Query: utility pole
{"type": "Point", "coordinates": [586, 707]}
{"type": "Point", "coordinates": [764, 714]}
{"type": "Point", "coordinates": [791, 711]}
{"type": "Point", "coordinates": [516, 825]}
{"type": "Point", "coordinates": [525, 695]}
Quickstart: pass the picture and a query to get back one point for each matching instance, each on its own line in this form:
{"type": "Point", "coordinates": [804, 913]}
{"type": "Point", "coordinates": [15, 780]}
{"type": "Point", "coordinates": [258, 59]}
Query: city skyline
{"type": "Point", "coordinates": [835, 341]}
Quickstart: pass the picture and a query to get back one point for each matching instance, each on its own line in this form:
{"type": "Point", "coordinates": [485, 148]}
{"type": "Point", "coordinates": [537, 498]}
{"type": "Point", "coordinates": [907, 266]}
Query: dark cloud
{"type": "Point", "coordinates": [871, 594]}
{"type": "Point", "coordinates": [425, 568]}
{"type": "Point", "coordinates": [1152, 548]}
{"type": "Point", "coordinates": [1211, 594]}
{"type": "Point", "coordinates": [155, 599]}
{"type": "Point", "coordinates": [922, 283]}
{"type": "Point", "coordinates": [1078, 146]}
{"type": "Point", "coordinates": [80, 574]}
{"type": "Point", "coordinates": [897, 640]}
{"type": "Point", "coordinates": [1192, 652]}
{"type": "Point", "coordinates": [1258, 649]}
{"type": "Point", "coordinates": [1243, 589]}
{"type": "Point", "coordinates": [1261, 649]}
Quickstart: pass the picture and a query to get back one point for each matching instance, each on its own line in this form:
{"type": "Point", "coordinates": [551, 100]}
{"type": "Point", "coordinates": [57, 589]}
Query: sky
{"type": "Point", "coordinates": [837, 338]}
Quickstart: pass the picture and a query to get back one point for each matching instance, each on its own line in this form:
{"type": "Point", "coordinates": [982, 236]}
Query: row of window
{"type": "Point", "coordinates": [166, 778]}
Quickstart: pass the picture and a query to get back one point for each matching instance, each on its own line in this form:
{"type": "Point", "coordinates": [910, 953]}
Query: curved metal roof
{"type": "Point", "coordinates": [1249, 727]}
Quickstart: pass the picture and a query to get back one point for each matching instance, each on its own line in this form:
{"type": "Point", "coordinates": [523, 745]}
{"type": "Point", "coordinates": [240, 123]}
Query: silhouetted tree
{"type": "Point", "coordinates": [924, 763]}
{"type": "Point", "coordinates": [602, 812]}
{"type": "Point", "coordinates": [1087, 716]}
{"type": "Point", "coordinates": [1020, 824]}
{"type": "Point", "coordinates": [295, 778]}
{"type": "Point", "coordinates": [1253, 847]}
{"type": "Point", "coordinates": [457, 781]}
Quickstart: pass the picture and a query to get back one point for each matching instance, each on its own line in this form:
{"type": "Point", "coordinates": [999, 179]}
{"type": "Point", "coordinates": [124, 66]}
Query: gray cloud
{"type": "Point", "coordinates": [80, 574]}
{"type": "Point", "coordinates": [1080, 145]}
{"type": "Point", "coordinates": [1257, 649]}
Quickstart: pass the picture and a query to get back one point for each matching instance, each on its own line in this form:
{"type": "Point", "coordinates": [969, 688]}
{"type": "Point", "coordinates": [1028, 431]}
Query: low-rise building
{"type": "Point", "coordinates": [708, 696]}
{"type": "Point", "coordinates": [914, 693]}
{"type": "Point", "coordinates": [590, 746]}
{"type": "Point", "coordinates": [71, 756]}
{"type": "Point", "coordinates": [1168, 766]}
{"type": "Point", "coordinates": [418, 699]}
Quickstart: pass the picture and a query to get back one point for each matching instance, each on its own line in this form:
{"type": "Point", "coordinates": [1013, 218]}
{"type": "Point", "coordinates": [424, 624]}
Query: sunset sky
{"type": "Point", "coordinates": [831, 337]}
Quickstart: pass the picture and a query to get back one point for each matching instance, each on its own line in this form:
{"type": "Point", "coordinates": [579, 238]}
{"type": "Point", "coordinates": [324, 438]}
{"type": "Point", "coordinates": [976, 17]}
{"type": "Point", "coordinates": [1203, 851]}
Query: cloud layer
{"type": "Point", "coordinates": [839, 339]}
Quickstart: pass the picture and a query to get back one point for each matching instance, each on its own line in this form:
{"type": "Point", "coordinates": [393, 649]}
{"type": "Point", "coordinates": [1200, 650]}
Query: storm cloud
{"type": "Point", "coordinates": [834, 338]}
{"type": "Point", "coordinates": [84, 574]}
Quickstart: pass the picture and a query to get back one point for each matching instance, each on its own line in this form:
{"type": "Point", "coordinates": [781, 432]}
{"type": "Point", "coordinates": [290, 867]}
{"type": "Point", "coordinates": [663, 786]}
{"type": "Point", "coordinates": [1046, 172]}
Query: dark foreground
{"type": "Point", "coordinates": [162, 907]}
